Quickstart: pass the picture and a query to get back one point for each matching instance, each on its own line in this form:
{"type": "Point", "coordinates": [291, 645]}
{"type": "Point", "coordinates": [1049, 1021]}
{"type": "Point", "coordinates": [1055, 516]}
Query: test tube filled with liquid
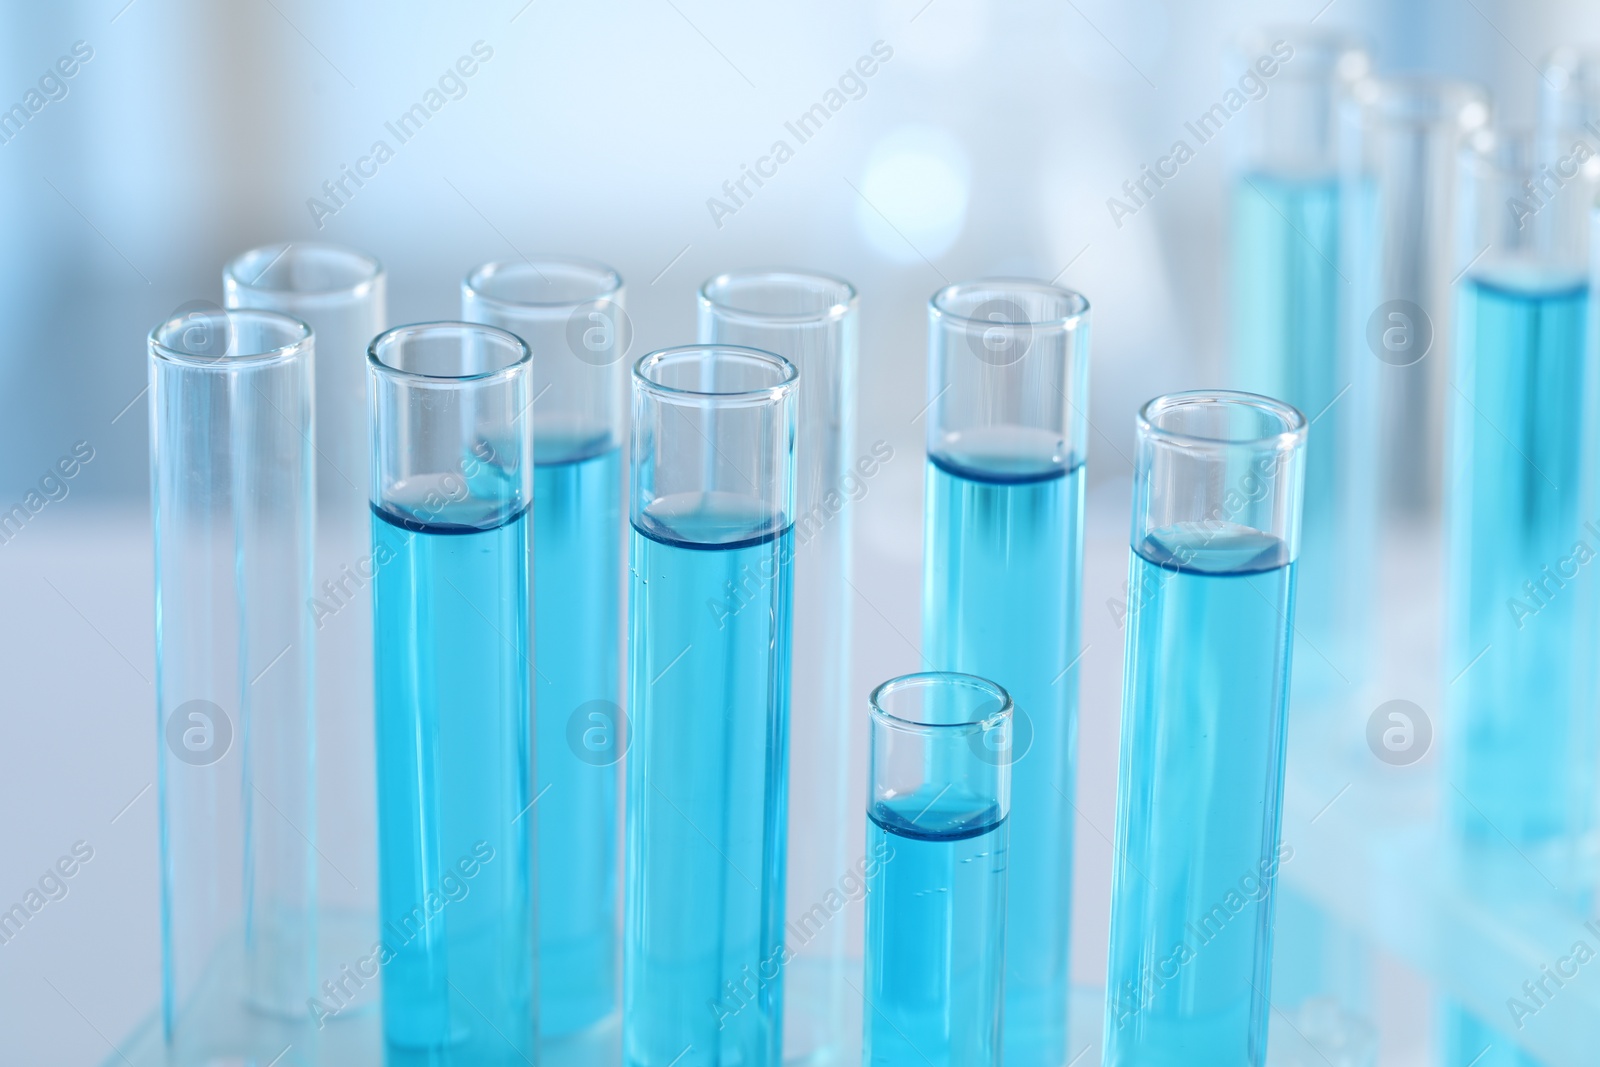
{"type": "Point", "coordinates": [712, 506]}
{"type": "Point", "coordinates": [452, 464]}
{"type": "Point", "coordinates": [937, 807]}
{"type": "Point", "coordinates": [570, 314]}
{"type": "Point", "coordinates": [1002, 581]}
{"type": "Point", "coordinates": [1216, 515]}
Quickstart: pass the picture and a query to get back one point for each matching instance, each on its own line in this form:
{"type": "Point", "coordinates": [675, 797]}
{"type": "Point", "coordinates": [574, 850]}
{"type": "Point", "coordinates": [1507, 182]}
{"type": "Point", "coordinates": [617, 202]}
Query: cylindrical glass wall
{"type": "Point", "coordinates": [938, 800]}
{"type": "Point", "coordinates": [571, 316]}
{"type": "Point", "coordinates": [1218, 480]}
{"type": "Point", "coordinates": [232, 483]}
{"type": "Point", "coordinates": [712, 514]}
{"type": "Point", "coordinates": [451, 485]}
{"type": "Point", "coordinates": [1413, 128]}
{"type": "Point", "coordinates": [339, 293]}
{"type": "Point", "coordinates": [1569, 89]}
{"type": "Point", "coordinates": [1008, 375]}
{"type": "Point", "coordinates": [1303, 256]}
{"type": "Point", "coordinates": [1521, 530]}
{"type": "Point", "coordinates": [811, 320]}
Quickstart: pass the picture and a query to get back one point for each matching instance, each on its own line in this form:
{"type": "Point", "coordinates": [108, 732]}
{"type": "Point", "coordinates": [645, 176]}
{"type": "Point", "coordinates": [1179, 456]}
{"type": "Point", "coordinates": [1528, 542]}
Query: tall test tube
{"type": "Point", "coordinates": [232, 486]}
{"type": "Point", "coordinates": [570, 314]}
{"type": "Point", "coordinates": [810, 320]}
{"type": "Point", "coordinates": [1522, 521]}
{"type": "Point", "coordinates": [937, 828]}
{"type": "Point", "coordinates": [1218, 478]}
{"type": "Point", "coordinates": [452, 464]}
{"type": "Point", "coordinates": [1303, 277]}
{"type": "Point", "coordinates": [1002, 583]}
{"type": "Point", "coordinates": [712, 514]}
{"type": "Point", "coordinates": [340, 293]}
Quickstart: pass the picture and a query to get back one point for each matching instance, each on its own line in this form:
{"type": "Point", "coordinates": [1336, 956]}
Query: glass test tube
{"type": "Point", "coordinates": [232, 486]}
{"type": "Point", "coordinates": [1569, 89]}
{"type": "Point", "coordinates": [1522, 522]}
{"type": "Point", "coordinates": [1008, 369]}
{"type": "Point", "coordinates": [339, 293]}
{"type": "Point", "coordinates": [1413, 128]}
{"type": "Point", "coordinates": [1218, 479]}
{"type": "Point", "coordinates": [451, 481]}
{"type": "Point", "coordinates": [712, 508]}
{"type": "Point", "coordinates": [1304, 242]}
{"type": "Point", "coordinates": [937, 828]}
{"type": "Point", "coordinates": [571, 316]}
{"type": "Point", "coordinates": [811, 320]}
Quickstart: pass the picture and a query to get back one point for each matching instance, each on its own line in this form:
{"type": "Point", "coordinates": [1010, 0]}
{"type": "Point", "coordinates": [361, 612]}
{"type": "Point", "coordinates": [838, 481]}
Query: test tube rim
{"type": "Point", "coordinates": [1447, 98]}
{"type": "Point", "coordinates": [294, 349]}
{"type": "Point", "coordinates": [509, 370]}
{"type": "Point", "coordinates": [356, 290]}
{"type": "Point", "coordinates": [1079, 304]}
{"type": "Point", "coordinates": [472, 283]}
{"type": "Point", "coordinates": [834, 312]}
{"type": "Point", "coordinates": [1485, 150]}
{"type": "Point", "coordinates": [764, 395]}
{"type": "Point", "coordinates": [1292, 436]}
{"type": "Point", "coordinates": [881, 714]}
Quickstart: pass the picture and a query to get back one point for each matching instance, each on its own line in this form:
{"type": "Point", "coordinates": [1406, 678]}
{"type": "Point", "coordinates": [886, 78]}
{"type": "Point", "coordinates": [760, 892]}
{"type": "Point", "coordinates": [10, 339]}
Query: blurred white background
{"type": "Point", "coordinates": [987, 144]}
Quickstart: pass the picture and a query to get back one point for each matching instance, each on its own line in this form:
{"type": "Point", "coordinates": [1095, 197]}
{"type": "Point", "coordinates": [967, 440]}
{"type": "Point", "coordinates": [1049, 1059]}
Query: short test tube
{"type": "Point", "coordinates": [940, 763]}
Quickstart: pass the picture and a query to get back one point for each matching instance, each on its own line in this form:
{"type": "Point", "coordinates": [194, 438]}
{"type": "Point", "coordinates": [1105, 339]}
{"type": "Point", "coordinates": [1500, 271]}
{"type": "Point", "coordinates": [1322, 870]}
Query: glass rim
{"type": "Point", "coordinates": [782, 388]}
{"type": "Point", "coordinates": [837, 310]}
{"type": "Point", "coordinates": [294, 347]}
{"type": "Point", "coordinates": [371, 274]}
{"type": "Point", "coordinates": [1395, 96]}
{"type": "Point", "coordinates": [397, 335]}
{"type": "Point", "coordinates": [929, 679]}
{"type": "Point", "coordinates": [1292, 435]}
{"type": "Point", "coordinates": [1076, 301]}
{"type": "Point", "coordinates": [1566, 60]}
{"type": "Point", "coordinates": [474, 279]}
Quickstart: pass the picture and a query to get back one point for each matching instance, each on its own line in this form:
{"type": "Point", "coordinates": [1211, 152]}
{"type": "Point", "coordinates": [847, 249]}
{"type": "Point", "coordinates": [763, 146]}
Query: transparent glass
{"type": "Point", "coordinates": [939, 797]}
{"type": "Point", "coordinates": [812, 321]}
{"type": "Point", "coordinates": [451, 486]}
{"type": "Point", "coordinates": [712, 551]}
{"type": "Point", "coordinates": [1569, 89]}
{"type": "Point", "coordinates": [1304, 244]}
{"type": "Point", "coordinates": [338, 292]}
{"type": "Point", "coordinates": [1413, 128]}
{"type": "Point", "coordinates": [1008, 365]}
{"type": "Point", "coordinates": [1218, 481]}
{"type": "Point", "coordinates": [571, 316]}
{"type": "Point", "coordinates": [1520, 622]}
{"type": "Point", "coordinates": [232, 484]}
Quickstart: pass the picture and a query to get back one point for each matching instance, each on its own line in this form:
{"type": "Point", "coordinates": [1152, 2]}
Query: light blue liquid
{"type": "Point", "coordinates": [1469, 1040]}
{"type": "Point", "coordinates": [703, 953]}
{"type": "Point", "coordinates": [1199, 799]}
{"type": "Point", "coordinates": [1524, 749]}
{"type": "Point", "coordinates": [454, 836]}
{"type": "Point", "coordinates": [577, 570]}
{"type": "Point", "coordinates": [1293, 276]}
{"type": "Point", "coordinates": [1001, 591]}
{"type": "Point", "coordinates": [935, 930]}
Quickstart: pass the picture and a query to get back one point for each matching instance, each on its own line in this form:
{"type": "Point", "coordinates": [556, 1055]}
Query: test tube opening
{"type": "Point", "coordinates": [779, 297]}
{"type": "Point", "coordinates": [304, 269]}
{"type": "Point", "coordinates": [218, 337]}
{"type": "Point", "coordinates": [543, 283]}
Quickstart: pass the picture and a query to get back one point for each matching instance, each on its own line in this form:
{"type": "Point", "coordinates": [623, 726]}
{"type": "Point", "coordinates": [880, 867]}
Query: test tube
{"type": "Point", "coordinates": [1569, 89]}
{"type": "Point", "coordinates": [811, 320]}
{"type": "Point", "coordinates": [1218, 478]}
{"type": "Point", "coordinates": [570, 314]}
{"type": "Point", "coordinates": [231, 488]}
{"type": "Point", "coordinates": [1008, 368]}
{"type": "Point", "coordinates": [339, 293]}
{"type": "Point", "coordinates": [1304, 245]}
{"type": "Point", "coordinates": [451, 484]}
{"type": "Point", "coordinates": [712, 514]}
{"type": "Point", "coordinates": [937, 829]}
{"type": "Point", "coordinates": [1521, 620]}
